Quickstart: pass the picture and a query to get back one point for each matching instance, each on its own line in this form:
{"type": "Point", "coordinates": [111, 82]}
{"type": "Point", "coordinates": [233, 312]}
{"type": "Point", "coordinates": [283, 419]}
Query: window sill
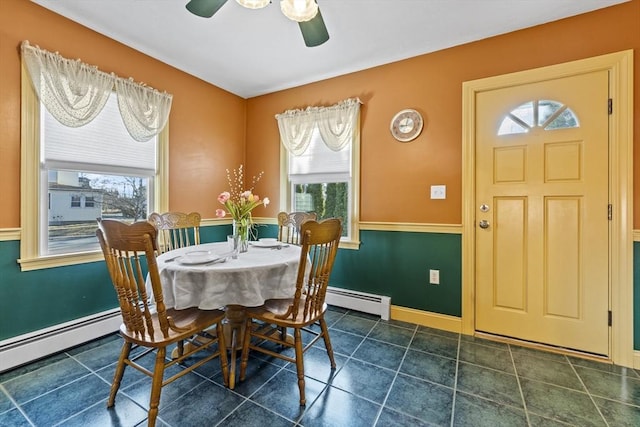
{"type": "Point", "coordinates": [350, 244]}
{"type": "Point", "coordinates": [52, 261]}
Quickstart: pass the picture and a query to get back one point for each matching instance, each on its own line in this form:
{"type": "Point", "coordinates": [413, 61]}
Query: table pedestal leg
{"type": "Point", "coordinates": [233, 327]}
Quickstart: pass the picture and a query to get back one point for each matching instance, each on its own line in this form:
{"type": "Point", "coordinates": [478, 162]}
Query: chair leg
{"type": "Point", "coordinates": [327, 341]}
{"type": "Point", "coordinates": [244, 357]}
{"type": "Point", "coordinates": [180, 348]}
{"type": "Point", "coordinates": [156, 386]}
{"type": "Point", "coordinates": [117, 378]}
{"type": "Point", "coordinates": [299, 364]}
{"type": "Point", "coordinates": [222, 348]}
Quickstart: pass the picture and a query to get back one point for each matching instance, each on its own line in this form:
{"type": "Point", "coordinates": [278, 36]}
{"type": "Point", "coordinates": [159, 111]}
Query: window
{"type": "Point", "coordinates": [320, 182]}
{"type": "Point", "coordinates": [544, 114]}
{"type": "Point", "coordinates": [320, 160]}
{"type": "Point", "coordinates": [75, 202]}
{"type": "Point", "coordinates": [73, 175]}
{"type": "Point", "coordinates": [98, 161]}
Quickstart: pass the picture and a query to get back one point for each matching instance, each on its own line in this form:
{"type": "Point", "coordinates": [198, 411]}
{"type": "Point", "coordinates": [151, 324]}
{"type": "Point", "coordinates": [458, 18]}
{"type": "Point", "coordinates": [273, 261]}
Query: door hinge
{"type": "Point", "coordinates": [610, 318]}
{"type": "Point", "coordinates": [610, 212]}
{"type": "Point", "coordinates": [610, 106]}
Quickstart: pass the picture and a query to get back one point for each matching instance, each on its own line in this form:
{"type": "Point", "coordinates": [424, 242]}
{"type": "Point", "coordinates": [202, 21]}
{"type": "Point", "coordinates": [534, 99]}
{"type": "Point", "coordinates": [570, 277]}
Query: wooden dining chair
{"type": "Point", "coordinates": [153, 327]}
{"type": "Point", "coordinates": [307, 306]}
{"type": "Point", "coordinates": [176, 229]}
{"type": "Point", "coordinates": [289, 225]}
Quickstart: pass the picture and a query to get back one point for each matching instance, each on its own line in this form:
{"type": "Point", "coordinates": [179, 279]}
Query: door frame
{"type": "Point", "coordinates": [620, 67]}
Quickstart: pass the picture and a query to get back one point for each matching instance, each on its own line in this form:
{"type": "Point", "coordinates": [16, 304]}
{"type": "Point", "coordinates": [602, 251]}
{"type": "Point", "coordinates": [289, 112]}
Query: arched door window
{"type": "Point", "coordinates": [544, 114]}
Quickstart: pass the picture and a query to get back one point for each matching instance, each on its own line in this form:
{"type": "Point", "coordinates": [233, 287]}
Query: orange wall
{"type": "Point", "coordinates": [395, 177]}
{"type": "Point", "coordinates": [207, 124]}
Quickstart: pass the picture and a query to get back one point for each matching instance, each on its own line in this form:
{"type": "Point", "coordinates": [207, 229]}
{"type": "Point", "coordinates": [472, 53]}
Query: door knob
{"type": "Point", "coordinates": [484, 224]}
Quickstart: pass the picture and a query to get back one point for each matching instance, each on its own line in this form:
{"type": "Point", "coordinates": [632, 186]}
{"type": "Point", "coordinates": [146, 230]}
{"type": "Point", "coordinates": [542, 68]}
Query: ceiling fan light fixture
{"type": "Point", "coordinates": [299, 10]}
{"type": "Point", "coordinates": [253, 4]}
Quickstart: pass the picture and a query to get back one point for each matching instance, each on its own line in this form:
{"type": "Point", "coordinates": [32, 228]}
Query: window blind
{"type": "Point", "coordinates": [319, 163]}
{"type": "Point", "coordinates": [103, 145]}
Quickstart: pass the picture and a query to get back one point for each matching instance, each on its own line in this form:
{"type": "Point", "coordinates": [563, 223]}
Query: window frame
{"type": "Point", "coordinates": [286, 189]}
{"type": "Point", "coordinates": [30, 180]}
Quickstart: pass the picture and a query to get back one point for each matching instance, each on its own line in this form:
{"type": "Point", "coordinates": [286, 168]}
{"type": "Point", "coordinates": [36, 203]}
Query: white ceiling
{"type": "Point", "coordinates": [254, 52]}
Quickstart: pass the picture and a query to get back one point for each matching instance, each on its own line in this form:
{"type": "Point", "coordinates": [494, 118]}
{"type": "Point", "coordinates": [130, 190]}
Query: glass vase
{"type": "Point", "coordinates": [241, 228]}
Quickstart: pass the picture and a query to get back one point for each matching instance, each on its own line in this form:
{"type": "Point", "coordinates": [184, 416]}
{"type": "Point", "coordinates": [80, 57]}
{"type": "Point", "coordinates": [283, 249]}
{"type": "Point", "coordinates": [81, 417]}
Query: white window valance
{"type": "Point", "coordinates": [75, 93]}
{"type": "Point", "coordinates": [337, 125]}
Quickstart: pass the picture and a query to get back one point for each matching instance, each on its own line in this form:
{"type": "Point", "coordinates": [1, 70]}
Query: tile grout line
{"type": "Point", "coordinates": [455, 380]}
{"type": "Point", "coordinates": [327, 385]}
{"type": "Point", "coordinates": [386, 397]}
{"type": "Point", "coordinates": [17, 406]}
{"type": "Point", "coordinates": [586, 389]}
{"type": "Point", "coordinates": [515, 370]}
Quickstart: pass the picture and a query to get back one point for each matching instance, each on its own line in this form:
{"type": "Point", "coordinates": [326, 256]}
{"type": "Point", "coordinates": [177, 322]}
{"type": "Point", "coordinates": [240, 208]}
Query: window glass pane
{"type": "Point", "coordinates": [566, 119]}
{"type": "Point", "coordinates": [525, 113]}
{"type": "Point", "coordinates": [546, 109]}
{"type": "Point", "coordinates": [546, 114]}
{"type": "Point", "coordinates": [509, 126]}
{"type": "Point", "coordinates": [326, 199]}
{"type": "Point", "coordinates": [73, 228]}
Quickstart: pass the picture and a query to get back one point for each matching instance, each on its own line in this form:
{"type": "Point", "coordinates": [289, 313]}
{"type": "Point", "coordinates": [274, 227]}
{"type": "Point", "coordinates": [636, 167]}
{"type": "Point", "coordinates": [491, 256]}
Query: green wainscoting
{"type": "Point", "coordinates": [388, 263]}
{"type": "Point", "coordinates": [397, 264]}
{"type": "Point", "coordinates": [34, 300]}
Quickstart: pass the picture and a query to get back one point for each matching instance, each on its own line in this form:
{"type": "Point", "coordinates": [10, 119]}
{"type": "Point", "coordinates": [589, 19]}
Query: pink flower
{"type": "Point", "coordinates": [220, 213]}
{"type": "Point", "coordinates": [246, 195]}
{"type": "Point", "coordinates": [266, 201]}
{"type": "Point", "coordinates": [223, 197]}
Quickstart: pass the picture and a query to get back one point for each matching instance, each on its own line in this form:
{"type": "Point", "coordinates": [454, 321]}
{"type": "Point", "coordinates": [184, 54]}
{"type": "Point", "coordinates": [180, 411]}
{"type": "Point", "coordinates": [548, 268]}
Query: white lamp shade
{"type": "Point", "coordinates": [299, 10]}
{"type": "Point", "coordinates": [253, 4]}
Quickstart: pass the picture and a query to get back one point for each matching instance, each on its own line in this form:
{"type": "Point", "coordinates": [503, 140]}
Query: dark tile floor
{"type": "Point", "coordinates": [388, 374]}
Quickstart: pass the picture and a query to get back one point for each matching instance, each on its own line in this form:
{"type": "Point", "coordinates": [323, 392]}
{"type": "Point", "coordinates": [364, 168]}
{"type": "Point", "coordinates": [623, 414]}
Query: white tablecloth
{"type": "Point", "coordinates": [249, 280]}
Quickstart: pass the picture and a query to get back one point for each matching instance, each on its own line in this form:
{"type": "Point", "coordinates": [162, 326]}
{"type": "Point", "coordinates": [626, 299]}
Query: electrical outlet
{"type": "Point", "coordinates": [434, 277]}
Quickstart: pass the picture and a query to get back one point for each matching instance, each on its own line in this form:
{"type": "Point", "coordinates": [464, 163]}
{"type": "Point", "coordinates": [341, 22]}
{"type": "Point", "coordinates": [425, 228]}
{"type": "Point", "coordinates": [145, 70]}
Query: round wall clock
{"type": "Point", "coordinates": [406, 125]}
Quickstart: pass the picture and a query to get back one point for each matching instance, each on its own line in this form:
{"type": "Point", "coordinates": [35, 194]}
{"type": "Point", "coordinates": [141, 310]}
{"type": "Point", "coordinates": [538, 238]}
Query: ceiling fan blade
{"type": "Point", "coordinates": [314, 31]}
{"type": "Point", "coordinates": [205, 8]}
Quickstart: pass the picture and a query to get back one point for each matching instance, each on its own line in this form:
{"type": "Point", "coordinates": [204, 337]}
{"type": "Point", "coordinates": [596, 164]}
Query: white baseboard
{"type": "Point", "coordinates": [360, 301]}
{"type": "Point", "coordinates": [26, 348]}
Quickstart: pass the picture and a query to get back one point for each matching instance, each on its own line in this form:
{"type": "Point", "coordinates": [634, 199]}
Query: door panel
{"type": "Point", "coordinates": [542, 262]}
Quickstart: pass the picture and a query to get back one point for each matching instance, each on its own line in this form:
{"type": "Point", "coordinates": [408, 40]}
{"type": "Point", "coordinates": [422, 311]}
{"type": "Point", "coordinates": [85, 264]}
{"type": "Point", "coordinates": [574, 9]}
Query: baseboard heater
{"type": "Point", "coordinates": [26, 348]}
{"type": "Point", "coordinates": [360, 301]}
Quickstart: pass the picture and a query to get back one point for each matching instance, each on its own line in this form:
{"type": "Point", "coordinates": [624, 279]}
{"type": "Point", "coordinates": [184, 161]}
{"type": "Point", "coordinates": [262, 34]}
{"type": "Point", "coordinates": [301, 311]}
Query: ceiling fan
{"type": "Point", "coordinates": [305, 12]}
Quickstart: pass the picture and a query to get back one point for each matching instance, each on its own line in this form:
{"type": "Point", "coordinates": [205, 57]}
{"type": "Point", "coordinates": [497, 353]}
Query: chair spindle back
{"type": "Point", "coordinates": [176, 229]}
{"type": "Point", "coordinates": [289, 224]}
{"type": "Point", "coordinates": [123, 246]}
{"type": "Point", "coordinates": [320, 242]}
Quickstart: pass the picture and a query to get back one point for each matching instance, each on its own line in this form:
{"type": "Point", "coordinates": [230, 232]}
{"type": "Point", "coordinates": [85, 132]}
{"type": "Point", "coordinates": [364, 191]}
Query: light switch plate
{"type": "Point", "coordinates": [438, 191]}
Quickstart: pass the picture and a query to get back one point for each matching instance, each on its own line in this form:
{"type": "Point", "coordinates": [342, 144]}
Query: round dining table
{"type": "Point", "coordinates": [208, 277]}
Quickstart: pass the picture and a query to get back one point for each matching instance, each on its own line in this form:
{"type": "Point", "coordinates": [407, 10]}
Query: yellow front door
{"type": "Point", "coordinates": [542, 237]}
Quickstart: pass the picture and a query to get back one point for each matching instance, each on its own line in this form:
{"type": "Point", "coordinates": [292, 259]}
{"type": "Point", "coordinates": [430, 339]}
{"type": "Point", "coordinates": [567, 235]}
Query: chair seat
{"type": "Point", "coordinates": [190, 319]}
{"type": "Point", "coordinates": [271, 309]}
